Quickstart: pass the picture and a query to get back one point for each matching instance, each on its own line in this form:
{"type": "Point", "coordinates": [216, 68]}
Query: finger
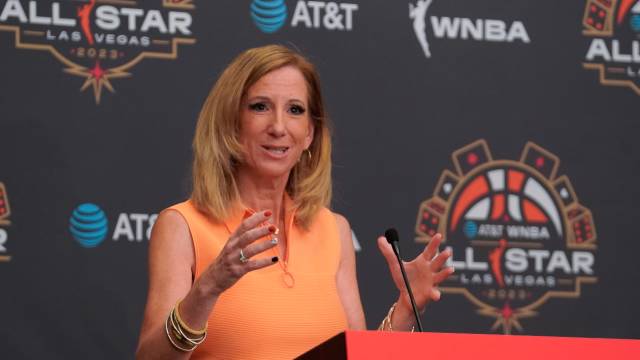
{"type": "Point", "coordinates": [251, 222]}
{"type": "Point", "coordinates": [387, 251]}
{"type": "Point", "coordinates": [440, 259]}
{"type": "Point", "coordinates": [431, 248]}
{"type": "Point", "coordinates": [435, 294]}
{"type": "Point", "coordinates": [254, 234]}
{"type": "Point", "coordinates": [260, 263]}
{"type": "Point", "coordinates": [254, 249]}
{"type": "Point", "coordinates": [442, 275]}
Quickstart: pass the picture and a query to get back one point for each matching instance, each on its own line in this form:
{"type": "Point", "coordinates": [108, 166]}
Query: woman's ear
{"type": "Point", "coordinates": [309, 138]}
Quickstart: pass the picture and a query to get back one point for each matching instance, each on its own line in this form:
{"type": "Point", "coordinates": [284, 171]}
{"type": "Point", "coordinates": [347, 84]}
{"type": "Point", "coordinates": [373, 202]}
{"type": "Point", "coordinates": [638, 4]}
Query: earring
{"type": "Point", "coordinates": [308, 153]}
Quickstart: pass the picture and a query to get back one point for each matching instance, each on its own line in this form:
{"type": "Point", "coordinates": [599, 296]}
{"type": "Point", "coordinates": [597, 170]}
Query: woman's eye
{"type": "Point", "coordinates": [259, 106]}
{"type": "Point", "coordinates": [297, 110]}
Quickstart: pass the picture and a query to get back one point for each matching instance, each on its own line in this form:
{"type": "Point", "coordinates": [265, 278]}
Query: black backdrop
{"type": "Point", "coordinates": [397, 117]}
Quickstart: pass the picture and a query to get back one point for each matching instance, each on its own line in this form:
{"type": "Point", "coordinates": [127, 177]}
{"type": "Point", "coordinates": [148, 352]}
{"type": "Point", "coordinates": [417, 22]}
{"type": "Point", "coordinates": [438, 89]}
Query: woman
{"type": "Point", "coordinates": [255, 262]}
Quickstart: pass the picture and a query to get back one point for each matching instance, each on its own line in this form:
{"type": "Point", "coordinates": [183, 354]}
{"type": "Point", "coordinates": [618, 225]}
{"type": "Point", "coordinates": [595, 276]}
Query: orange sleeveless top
{"type": "Point", "coordinates": [262, 316]}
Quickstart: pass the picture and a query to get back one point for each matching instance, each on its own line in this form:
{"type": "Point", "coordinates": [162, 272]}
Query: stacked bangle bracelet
{"type": "Point", "coordinates": [386, 322]}
{"type": "Point", "coordinates": [180, 335]}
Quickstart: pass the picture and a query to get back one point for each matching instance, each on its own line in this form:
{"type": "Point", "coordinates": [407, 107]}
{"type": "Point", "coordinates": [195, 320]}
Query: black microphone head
{"type": "Point", "coordinates": [392, 235]}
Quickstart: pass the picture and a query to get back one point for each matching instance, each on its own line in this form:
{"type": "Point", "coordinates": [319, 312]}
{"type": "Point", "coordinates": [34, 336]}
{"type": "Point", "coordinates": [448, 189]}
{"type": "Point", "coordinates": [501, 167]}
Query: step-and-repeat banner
{"type": "Point", "coordinates": [509, 126]}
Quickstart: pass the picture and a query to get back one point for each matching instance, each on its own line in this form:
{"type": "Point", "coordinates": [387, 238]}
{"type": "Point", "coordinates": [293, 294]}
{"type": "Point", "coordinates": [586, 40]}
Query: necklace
{"type": "Point", "coordinates": [287, 277]}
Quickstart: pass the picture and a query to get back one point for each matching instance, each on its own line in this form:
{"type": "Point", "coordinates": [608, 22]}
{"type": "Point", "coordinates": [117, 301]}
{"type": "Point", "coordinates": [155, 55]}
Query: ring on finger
{"type": "Point", "coordinates": [243, 259]}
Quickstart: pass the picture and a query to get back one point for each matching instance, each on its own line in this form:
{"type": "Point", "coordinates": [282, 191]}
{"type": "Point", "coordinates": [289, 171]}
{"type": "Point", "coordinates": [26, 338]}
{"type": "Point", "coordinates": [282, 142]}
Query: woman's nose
{"type": "Point", "coordinates": [277, 128]}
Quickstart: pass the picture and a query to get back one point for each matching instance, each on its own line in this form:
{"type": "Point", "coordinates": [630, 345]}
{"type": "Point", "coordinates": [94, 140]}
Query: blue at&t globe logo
{"type": "Point", "coordinates": [635, 22]}
{"type": "Point", "coordinates": [268, 15]}
{"type": "Point", "coordinates": [470, 229]}
{"type": "Point", "coordinates": [88, 225]}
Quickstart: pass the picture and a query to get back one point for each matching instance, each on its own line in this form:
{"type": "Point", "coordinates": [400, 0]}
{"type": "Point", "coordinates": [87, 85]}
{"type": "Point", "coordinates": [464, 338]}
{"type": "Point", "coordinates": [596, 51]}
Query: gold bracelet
{"type": "Point", "coordinates": [180, 333]}
{"type": "Point", "coordinates": [386, 322]}
{"type": "Point", "coordinates": [176, 346]}
{"type": "Point", "coordinates": [185, 326]}
{"type": "Point", "coordinates": [179, 329]}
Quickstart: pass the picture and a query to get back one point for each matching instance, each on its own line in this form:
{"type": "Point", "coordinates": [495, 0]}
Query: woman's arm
{"type": "Point", "coordinates": [424, 273]}
{"type": "Point", "coordinates": [171, 269]}
{"type": "Point", "coordinates": [171, 273]}
{"type": "Point", "coordinates": [346, 279]}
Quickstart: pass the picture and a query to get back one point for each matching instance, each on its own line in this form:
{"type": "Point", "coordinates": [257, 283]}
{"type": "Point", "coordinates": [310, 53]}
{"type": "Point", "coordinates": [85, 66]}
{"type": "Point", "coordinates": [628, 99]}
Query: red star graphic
{"type": "Point", "coordinates": [506, 312]}
{"type": "Point", "coordinates": [97, 71]}
{"type": "Point", "coordinates": [96, 78]}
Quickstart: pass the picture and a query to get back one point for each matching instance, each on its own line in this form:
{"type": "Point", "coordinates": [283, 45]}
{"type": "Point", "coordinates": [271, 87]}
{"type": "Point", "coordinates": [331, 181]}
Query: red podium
{"type": "Point", "coordinates": [356, 345]}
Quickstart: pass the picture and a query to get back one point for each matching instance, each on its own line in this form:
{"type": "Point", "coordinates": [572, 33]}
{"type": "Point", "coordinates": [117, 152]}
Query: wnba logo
{"type": "Point", "coordinates": [518, 233]}
{"type": "Point", "coordinates": [268, 15]}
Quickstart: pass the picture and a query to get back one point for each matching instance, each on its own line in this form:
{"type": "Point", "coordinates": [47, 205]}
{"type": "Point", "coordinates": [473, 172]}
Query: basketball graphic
{"type": "Point", "coordinates": [516, 229]}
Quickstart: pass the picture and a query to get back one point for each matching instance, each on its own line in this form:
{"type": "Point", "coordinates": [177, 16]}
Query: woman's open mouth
{"type": "Point", "coordinates": [276, 150]}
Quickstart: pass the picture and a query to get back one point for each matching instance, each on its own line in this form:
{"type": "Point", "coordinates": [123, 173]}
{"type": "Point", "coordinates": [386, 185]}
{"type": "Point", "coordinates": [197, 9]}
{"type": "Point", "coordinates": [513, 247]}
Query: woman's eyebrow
{"type": "Point", "coordinates": [258, 97]}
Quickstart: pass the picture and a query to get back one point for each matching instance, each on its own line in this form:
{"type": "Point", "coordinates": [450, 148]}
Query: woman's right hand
{"type": "Point", "coordinates": [229, 266]}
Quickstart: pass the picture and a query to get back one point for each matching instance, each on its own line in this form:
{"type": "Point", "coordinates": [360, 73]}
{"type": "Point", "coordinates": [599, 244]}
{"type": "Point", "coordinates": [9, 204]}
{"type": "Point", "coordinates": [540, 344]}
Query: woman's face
{"type": "Point", "coordinates": [275, 123]}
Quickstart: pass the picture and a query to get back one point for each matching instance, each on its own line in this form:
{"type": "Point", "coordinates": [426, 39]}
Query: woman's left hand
{"type": "Point", "coordinates": [424, 272]}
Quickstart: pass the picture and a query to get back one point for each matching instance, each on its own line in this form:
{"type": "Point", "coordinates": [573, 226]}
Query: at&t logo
{"type": "Point", "coordinates": [89, 226]}
{"type": "Point", "coordinates": [271, 15]}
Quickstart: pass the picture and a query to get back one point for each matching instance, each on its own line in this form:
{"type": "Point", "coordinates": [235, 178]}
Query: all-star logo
{"type": "Point", "coordinates": [613, 28]}
{"type": "Point", "coordinates": [99, 40]}
{"type": "Point", "coordinates": [518, 233]}
{"type": "Point", "coordinates": [5, 212]}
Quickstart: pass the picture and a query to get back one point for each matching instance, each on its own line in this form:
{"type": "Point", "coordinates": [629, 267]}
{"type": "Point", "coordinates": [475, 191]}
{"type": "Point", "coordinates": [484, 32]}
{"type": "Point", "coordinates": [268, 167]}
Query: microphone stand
{"type": "Point", "coordinates": [392, 238]}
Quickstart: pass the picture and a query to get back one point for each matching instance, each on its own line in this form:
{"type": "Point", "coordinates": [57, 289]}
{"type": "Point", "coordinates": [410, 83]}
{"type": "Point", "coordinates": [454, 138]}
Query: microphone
{"type": "Point", "coordinates": [392, 238]}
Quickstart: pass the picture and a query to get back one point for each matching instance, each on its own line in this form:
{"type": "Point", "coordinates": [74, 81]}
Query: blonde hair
{"type": "Point", "coordinates": [216, 146]}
